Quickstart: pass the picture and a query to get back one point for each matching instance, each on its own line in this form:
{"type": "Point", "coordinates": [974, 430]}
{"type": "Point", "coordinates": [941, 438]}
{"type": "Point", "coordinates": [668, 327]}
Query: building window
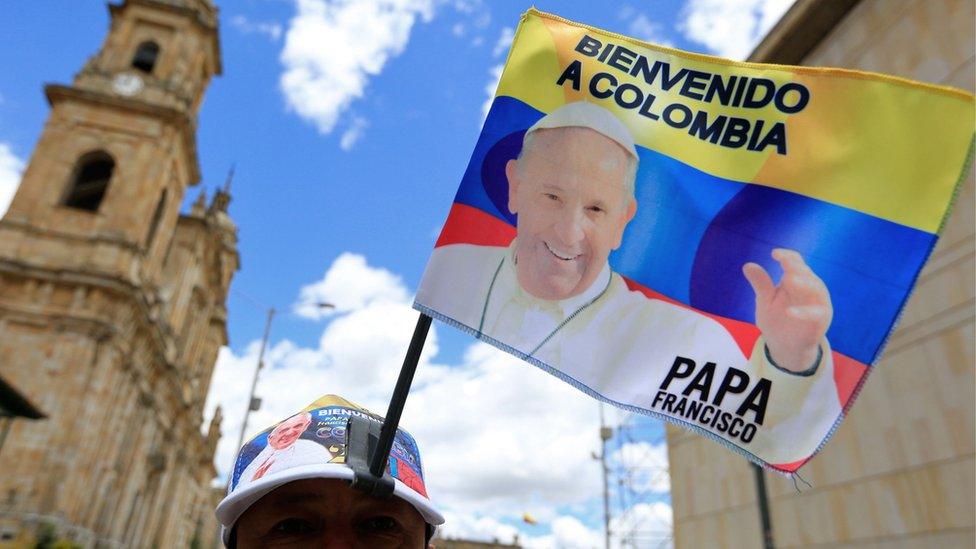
{"type": "Point", "coordinates": [90, 181]}
{"type": "Point", "coordinates": [145, 57]}
{"type": "Point", "coordinates": [157, 215]}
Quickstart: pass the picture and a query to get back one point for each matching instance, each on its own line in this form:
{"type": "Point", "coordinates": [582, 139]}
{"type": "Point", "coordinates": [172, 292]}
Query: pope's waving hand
{"type": "Point", "coordinates": [793, 315]}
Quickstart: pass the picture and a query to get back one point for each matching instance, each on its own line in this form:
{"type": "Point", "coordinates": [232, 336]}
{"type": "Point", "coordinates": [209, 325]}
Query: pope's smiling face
{"type": "Point", "coordinates": [287, 432]}
{"type": "Point", "coordinates": [568, 191]}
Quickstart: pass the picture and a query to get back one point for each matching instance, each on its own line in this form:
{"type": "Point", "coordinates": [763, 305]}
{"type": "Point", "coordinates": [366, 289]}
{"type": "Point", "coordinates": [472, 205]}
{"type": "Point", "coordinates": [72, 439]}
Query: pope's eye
{"type": "Point", "coordinates": [293, 526]}
{"type": "Point", "coordinates": [379, 524]}
{"type": "Point", "coordinates": [550, 196]}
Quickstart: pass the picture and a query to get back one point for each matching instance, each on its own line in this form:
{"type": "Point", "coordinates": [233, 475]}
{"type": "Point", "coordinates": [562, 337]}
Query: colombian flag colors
{"type": "Point", "coordinates": [855, 171]}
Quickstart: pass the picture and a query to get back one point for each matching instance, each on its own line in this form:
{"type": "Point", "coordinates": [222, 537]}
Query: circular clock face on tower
{"type": "Point", "coordinates": [127, 84]}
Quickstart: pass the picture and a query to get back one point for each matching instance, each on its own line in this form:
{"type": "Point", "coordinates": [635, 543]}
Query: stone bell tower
{"type": "Point", "coordinates": [112, 303]}
{"type": "Point", "coordinates": [119, 149]}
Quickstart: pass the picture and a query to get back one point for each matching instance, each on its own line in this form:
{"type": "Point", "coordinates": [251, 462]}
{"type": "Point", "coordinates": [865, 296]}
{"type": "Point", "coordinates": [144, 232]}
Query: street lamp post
{"type": "Point", "coordinates": [257, 371]}
{"type": "Point", "coordinates": [253, 404]}
{"type": "Point", "coordinates": [606, 433]}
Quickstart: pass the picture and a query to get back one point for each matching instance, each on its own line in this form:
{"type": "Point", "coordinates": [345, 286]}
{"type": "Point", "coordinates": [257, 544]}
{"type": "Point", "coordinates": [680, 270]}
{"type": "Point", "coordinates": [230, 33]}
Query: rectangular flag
{"type": "Point", "coordinates": [723, 245]}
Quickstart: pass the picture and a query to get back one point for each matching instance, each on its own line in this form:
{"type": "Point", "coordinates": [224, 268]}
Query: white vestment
{"type": "Point", "coordinates": [621, 345]}
{"type": "Point", "coordinates": [301, 452]}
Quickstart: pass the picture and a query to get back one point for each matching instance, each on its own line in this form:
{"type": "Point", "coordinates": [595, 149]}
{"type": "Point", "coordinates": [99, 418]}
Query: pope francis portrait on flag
{"type": "Point", "coordinates": [552, 298]}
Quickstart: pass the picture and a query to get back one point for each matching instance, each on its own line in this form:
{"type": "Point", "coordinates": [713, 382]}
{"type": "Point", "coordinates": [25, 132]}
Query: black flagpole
{"type": "Point", "coordinates": [764, 519]}
{"type": "Point", "coordinates": [400, 392]}
{"type": "Point", "coordinates": [365, 445]}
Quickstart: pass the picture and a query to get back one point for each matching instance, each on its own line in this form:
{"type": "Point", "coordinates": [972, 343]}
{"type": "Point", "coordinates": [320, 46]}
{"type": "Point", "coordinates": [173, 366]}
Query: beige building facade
{"type": "Point", "coordinates": [900, 470]}
{"type": "Point", "coordinates": [112, 303]}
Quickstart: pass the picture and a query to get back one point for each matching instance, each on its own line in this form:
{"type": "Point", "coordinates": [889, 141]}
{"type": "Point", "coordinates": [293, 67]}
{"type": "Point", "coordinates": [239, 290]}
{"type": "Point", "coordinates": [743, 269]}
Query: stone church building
{"type": "Point", "coordinates": [112, 303]}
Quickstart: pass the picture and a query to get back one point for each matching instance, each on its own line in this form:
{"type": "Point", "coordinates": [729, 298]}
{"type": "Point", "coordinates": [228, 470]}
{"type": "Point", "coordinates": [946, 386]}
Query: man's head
{"type": "Point", "coordinates": [287, 432]}
{"type": "Point", "coordinates": [326, 513]}
{"type": "Point", "coordinates": [573, 190]}
{"type": "Point", "coordinates": [305, 498]}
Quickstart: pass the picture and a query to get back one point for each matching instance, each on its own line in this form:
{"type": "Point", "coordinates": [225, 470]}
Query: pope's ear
{"type": "Point", "coordinates": [629, 214]}
{"type": "Point", "coordinates": [631, 211]}
{"type": "Point", "coordinates": [511, 168]}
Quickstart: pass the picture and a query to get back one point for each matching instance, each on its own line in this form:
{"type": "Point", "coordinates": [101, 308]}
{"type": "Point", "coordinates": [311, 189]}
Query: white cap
{"type": "Point", "coordinates": [312, 444]}
{"type": "Point", "coordinates": [581, 114]}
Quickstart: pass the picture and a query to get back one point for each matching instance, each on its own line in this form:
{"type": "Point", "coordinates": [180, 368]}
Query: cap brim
{"type": "Point", "coordinates": [234, 505]}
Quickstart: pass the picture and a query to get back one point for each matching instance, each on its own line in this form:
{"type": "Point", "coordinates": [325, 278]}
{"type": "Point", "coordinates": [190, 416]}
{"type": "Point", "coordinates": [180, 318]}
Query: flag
{"type": "Point", "coordinates": [719, 244]}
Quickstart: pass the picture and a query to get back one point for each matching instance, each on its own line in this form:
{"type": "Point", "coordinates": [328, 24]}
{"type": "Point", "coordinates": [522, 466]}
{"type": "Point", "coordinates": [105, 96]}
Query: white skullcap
{"type": "Point", "coordinates": [581, 114]}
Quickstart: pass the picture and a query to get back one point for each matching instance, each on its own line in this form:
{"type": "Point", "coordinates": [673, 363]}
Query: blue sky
{"type": "Point", "coordinates": [349, 136]}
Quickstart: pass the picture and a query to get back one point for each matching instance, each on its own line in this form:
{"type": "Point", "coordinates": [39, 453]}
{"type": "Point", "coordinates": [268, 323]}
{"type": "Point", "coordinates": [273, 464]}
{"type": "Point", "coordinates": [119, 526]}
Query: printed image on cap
{"type": "Point", "coordinates": [317, 435]}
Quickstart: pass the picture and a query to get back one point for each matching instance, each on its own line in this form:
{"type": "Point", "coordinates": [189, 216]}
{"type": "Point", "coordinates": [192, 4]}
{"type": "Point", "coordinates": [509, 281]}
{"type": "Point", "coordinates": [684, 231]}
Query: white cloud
{"type": "Point", "coordinates": [483, 19]}
{"type": "Point", "coordinates": [502, 45]}
{"type": "Point", "coordinates": [569, 532]}
{"type": "Point", "coordinates": [11, 168]}
{"type": "Point", "coordinates": [357, 356]}
{"type": "Point", "coordinates": [270, 29]}
{"type": "Point", "coordinates": [643, 525]}
{"type": "Point", "coordinates": [333, 49]}
{"type": "Point", "coordinates": [503, 437]}
{"type": "Point", "coordinates": [469, 6]}
{"type": "Point", "coordinates": [504, 41]}
{"type": "Point", "coordinates": [490, 88]}
{"type": "Point", "coordinates": [642, 28]}
{"type": "Point", "coordinates": [476, 18]}
{"type": "Point", "coordinates": [353, 133]}
{"type": "Point", "coordinates": [646, 465]}
{"type": "Point", "coordinates": [476, 528]}
{"type": "Point", "coordinates": [476, 11]}
{"type": "Point", "coordinates": [350, 285]}
{"type": "Point", "coordinates": [650, 523]}
{"type": "Point", "coordinates": [731, 28]}
{"type": "Point", "coordinates": [499, 437]}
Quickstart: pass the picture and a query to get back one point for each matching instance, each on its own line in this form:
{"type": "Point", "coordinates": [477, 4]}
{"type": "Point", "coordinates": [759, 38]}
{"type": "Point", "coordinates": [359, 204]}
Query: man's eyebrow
{"type": "Point", "coordinates": [393, 506]}
{"type": "Point", "coordinates": [313, 497]}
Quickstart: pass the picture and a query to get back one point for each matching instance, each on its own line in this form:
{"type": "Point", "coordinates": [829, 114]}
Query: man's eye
{"type": "Point", "coordinates": [596, 209]}
{"type": "Point", "coordinates": [293, 526]}
{"type": "Point", "coordinates": [550, 196]}
{"type": "Point", "coordinates": [379, 524]}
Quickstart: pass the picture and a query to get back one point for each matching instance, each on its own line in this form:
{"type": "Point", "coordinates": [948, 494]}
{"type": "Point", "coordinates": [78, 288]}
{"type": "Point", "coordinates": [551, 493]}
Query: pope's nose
{"type": "Point", "coordinates": [569, 229]}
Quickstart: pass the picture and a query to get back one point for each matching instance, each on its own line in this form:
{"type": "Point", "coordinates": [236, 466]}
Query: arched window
{"type": "Point", "coordinates": [91, 177]}
{"type": "Point", "coordinates": [145, 57]}
{"type": "Point", "coordinates": [157, 215]}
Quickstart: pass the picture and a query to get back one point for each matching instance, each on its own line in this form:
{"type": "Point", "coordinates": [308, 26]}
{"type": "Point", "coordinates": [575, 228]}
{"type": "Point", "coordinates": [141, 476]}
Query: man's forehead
{"type": "Point", "coordinates": [330, 492]}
